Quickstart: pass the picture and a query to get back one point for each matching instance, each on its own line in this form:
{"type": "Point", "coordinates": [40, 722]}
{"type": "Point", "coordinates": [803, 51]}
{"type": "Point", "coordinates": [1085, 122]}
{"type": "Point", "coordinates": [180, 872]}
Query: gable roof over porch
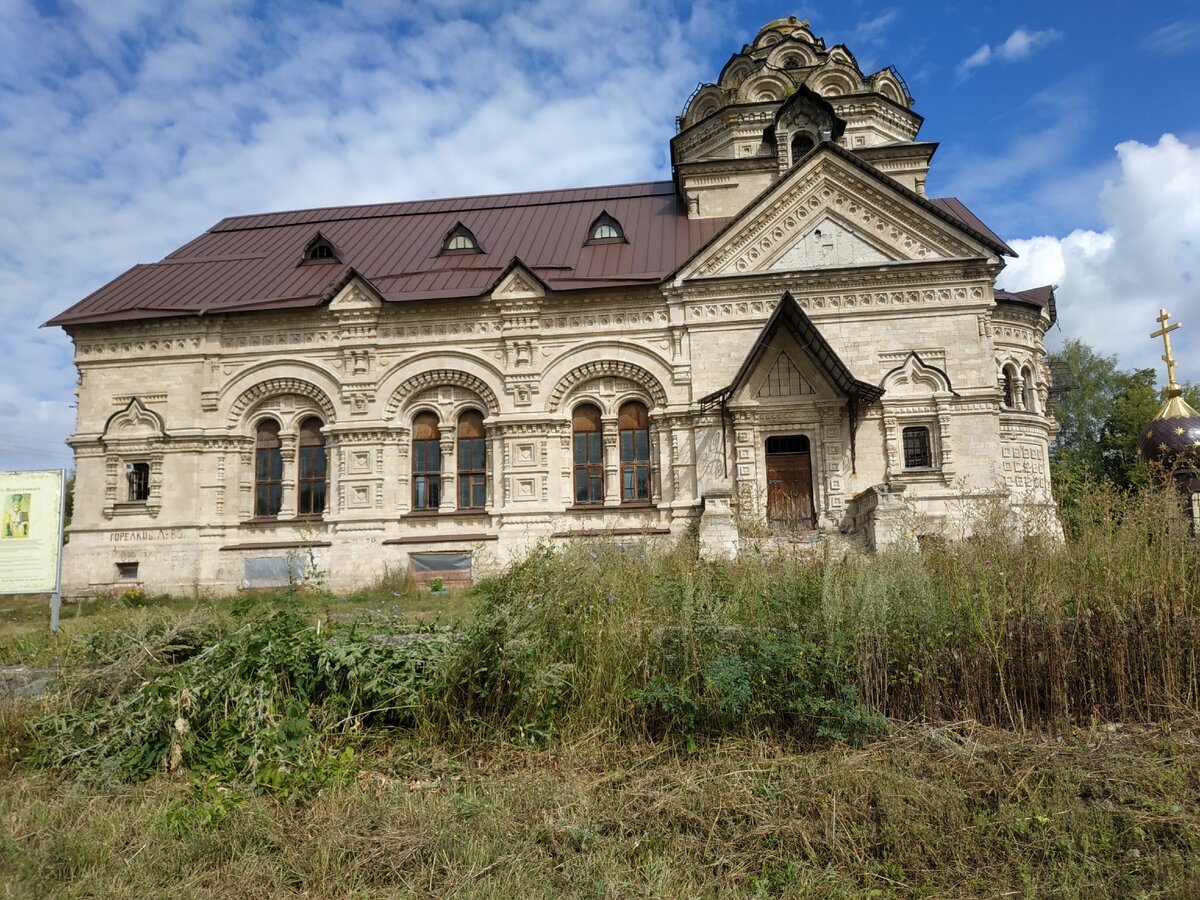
{"type": "Point", "coordinates": [788, 314]}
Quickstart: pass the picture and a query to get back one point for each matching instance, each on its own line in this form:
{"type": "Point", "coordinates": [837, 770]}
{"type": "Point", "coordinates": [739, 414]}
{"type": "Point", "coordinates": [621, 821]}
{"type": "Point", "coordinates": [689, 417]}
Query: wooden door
{"type": "Point", "coordinates": [789, 481]}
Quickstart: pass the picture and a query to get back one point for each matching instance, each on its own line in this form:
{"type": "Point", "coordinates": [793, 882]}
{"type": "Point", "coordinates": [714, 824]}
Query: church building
{"type": "Point", "coordinates": [788, 337]}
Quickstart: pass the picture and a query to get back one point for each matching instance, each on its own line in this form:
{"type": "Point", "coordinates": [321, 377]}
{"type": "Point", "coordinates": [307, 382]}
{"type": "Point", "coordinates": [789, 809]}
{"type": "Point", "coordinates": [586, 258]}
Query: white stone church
{"type": "Point", "coordinates": [787, 336]}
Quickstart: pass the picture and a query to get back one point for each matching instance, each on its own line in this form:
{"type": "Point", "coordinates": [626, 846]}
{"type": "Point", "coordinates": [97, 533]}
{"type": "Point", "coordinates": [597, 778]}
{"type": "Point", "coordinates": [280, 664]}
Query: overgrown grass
{"type": "Point", "coordinates": [956, 811]}
{"type": "Point", "coordinates": [598, 645]}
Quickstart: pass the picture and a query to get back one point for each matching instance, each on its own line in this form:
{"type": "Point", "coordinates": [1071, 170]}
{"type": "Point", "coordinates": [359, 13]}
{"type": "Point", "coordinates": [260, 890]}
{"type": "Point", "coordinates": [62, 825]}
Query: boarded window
{"type": "Point", "coordinates": [472, 461]}
{"type": "Point", "coordinates": [427, 462]}
{"type": "Point", "coordinates": [588, 441]}
{"type": "Point", "coordinates": [453, 567]}
{"type": "Point", "coordinates": [633, 424]}
{"type": "Point", "coordinates": [268, 470]}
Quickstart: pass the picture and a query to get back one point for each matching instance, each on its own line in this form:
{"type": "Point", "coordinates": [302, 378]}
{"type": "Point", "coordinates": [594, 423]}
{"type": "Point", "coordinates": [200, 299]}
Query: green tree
{"type": "Point", "coordinates": [1101, 410]}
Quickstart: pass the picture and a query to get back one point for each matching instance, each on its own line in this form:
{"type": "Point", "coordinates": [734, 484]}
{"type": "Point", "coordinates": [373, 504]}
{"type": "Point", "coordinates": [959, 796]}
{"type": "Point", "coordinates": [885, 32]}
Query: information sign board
{"type": "Point", "coordinates": [31, 523]}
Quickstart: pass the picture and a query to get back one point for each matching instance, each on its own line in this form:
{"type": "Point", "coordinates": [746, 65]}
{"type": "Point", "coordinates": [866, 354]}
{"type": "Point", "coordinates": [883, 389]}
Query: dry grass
{"type": "Point", "coordinates": [953, 811]}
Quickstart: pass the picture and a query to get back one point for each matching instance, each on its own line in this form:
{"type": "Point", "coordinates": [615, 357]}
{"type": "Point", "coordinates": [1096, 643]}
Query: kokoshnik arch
{"type": "Point", "coordinates": [788, 333]}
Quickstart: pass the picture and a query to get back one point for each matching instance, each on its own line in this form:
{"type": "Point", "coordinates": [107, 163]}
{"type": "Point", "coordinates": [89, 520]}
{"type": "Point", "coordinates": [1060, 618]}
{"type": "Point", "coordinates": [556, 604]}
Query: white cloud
{"type": "Point", "coordinates": [125, 134]}
{"type": "Point", "coordinates": [1112, 282]}
{"type": "Point", "coordinates": [1173, 38]}
{"type": "Point", "coordinates": [1019, 45]}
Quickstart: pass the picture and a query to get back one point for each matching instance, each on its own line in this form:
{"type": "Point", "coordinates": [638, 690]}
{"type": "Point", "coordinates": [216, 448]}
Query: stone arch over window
{"type": "Point", "coordinates": [915, 375]}
{"type": "Point", "coordinates": [133, 440]}
{"type": "Point", "coordinates": [613, 368]}
{"type": "Point", "coordinates": [834, 82]}
{"type": "Point", "coordinates": [765, 87]}
{"type": "Point", "coordinates": [916, 419]}
{"type": "Point", "coordinates": [273, 387]}
{"type": "Point", "coordinates": [420, 382]}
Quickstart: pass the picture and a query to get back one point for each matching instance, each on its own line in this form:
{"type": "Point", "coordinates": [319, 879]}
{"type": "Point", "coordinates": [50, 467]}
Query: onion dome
{"type": "Point", "coordinates": [1172, 439]}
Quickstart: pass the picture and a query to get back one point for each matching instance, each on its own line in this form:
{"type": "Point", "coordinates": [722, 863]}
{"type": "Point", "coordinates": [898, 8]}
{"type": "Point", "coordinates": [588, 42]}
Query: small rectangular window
{"type": "Point", "coordinates": [138, 477]}
{"type": "Point", "coordinates": [127, 571]}
{"type": "Point", "coordinates": [918, 453]}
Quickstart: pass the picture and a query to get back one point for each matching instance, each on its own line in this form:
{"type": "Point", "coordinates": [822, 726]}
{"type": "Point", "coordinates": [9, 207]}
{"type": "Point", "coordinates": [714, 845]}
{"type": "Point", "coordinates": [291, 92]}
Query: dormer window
{"type": "Point", "coordinates": [460, 240]}
{"type": "Point", "coordinates": [320, 249]}
{"type": "Point", "coordinates": [605, 230]}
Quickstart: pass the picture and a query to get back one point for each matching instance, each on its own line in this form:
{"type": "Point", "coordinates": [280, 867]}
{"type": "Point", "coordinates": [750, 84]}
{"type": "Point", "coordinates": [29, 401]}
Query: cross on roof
{"type": "Point", "coordinates": [1173, 389]}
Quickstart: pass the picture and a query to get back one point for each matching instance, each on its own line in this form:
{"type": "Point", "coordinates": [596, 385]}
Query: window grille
{"type": "Point", "coordinates": [918, 453]}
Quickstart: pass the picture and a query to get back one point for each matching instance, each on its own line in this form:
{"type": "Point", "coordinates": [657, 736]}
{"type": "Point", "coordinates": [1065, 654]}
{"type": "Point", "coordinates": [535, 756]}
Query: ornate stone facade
{"type": "Point", "coordinates": [915, 383]}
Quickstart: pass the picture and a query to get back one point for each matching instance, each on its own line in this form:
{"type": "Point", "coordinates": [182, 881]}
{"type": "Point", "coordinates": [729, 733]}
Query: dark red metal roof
{"type": "Point", "coordinates": [247, 263]}
{"type": "Point", "coordinates": [1039, 297]}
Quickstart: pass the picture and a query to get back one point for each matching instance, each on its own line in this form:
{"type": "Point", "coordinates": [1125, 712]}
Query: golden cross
{"type": "Point", "coordinates": [1165, 334]}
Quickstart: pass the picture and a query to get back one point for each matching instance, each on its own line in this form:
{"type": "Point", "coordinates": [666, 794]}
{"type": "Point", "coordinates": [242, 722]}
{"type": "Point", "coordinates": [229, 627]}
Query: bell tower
{"type": "Point", "coordinates": [776, 100]}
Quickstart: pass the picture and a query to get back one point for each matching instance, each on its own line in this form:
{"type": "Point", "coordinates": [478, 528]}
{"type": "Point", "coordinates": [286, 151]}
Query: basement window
{"type": "Point", "coordinates": [127, 571]}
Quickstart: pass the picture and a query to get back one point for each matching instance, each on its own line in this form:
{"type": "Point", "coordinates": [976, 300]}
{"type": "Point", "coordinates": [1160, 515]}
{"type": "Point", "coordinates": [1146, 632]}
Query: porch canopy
{"type": "Point", "coordinates": [788, 314]}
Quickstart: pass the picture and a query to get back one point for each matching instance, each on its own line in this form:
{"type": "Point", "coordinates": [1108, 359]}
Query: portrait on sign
{"type": "Point", "coordinates": [14, 520]}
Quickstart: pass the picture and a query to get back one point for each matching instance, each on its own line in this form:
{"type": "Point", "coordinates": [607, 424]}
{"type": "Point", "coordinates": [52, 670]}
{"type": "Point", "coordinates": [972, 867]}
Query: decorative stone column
{"type": "Point", "coordinates": [449, 445]}
{"type": "Point", "coordinates": [287, 486]}
{"type": "Point", "coordinates": [612, 462]}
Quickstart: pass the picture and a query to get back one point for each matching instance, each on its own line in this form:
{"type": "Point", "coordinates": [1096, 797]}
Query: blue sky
{"type": "Point", "coordinates": [130, 126]}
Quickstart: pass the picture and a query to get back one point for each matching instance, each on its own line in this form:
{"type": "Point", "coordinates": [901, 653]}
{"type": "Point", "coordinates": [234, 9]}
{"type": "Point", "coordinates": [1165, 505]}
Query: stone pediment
{"type": "Point", "coordinates": [356, 293]}
{"type": "Point", "coordinates": [517, 282]}
{"type": "Point", "coordinates": [134, 423]}
{"type": "Point", "coordinates": [862, 219]}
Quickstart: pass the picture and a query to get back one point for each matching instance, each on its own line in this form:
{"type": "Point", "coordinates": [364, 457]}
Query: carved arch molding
{"type": "Point", "coordinates": [441, 378]}
{"type": "Point", "coordinates": [610, 368]}
{"type": "Point", "coordinates": [276, 386]}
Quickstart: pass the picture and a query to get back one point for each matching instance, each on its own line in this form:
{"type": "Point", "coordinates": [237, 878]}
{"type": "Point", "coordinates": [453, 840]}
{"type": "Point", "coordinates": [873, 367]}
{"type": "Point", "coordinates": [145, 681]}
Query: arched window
{"type": "Point", "coordinates": [472, 461]}
{"type": "Point", "coordinates": [587, 437]}
{"type": "Point", "coordinates": [802, 143]}
{"type": "Point", "coordinates": [427, 462]}
{"type": "Point", "coordinates": [1028, 394]}
{"type": "Point", "coordinates": [633, 423]}
{"type": "Point", "coordinates": [1010, 389]}
{"type": "Point", "coordinates": [605, 230]}
{"type": "Point", "coordinates": [460, 240]}
{"type": "Point", "coordinates": [313, 470]}
{"type": "Point", "coordinates": [268, 470]}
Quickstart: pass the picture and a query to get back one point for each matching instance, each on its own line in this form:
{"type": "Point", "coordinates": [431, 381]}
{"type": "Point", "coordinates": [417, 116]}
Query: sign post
{"type": "Point", "coordinates": [32, 516]}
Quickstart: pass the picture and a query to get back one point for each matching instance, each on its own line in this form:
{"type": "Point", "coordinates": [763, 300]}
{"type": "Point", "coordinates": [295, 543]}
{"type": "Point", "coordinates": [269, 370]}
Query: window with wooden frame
{"type": "Point", "coordinates": [605, 230]}
{"type": "Point", "coordinates": [312, 469]}
{"type": "Point", "coordinates": [472, 461]}
{"type": "Point", "coordinates": [587, 437]}
{"type": "Point", "coordinates": [460, 240]}
{"type": "Point", "coordinates": [138, 477]}
{"type": "Point", "coordinates": [918, 448]}
{"type": "Point", "coordinates": [426, 462]}
{"type": "Point", "coordinates": [633, 424]}
{"type": "Point", "coordinates": [268, 470]}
